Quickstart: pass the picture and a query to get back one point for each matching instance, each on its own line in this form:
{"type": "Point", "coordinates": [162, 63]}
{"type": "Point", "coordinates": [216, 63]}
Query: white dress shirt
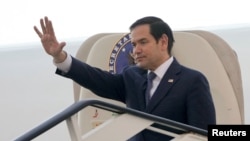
{"type": "Point", "coordinates": [65, 65]}
{"type": "Point", "coordinates": [160, 71]}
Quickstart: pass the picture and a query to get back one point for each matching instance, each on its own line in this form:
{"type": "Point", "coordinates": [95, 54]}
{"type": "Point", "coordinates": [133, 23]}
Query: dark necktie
{"type": "Point", "coordinates": [150, 79]}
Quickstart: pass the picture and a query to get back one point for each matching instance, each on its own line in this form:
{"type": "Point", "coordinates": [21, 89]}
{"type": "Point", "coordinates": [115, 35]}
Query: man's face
{"type": "Point", "coordinates": [148, 54]}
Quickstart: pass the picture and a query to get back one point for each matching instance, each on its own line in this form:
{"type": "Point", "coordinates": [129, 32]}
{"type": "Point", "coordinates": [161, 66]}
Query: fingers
{"type": "Point", "coordinates": [43, 26]}
{"type": "Point", "coordinates": [38, 32]}
{"type": "Point", "coordinates": [51, 29]}
{"type": "Point", "coordinates": [47, 27]}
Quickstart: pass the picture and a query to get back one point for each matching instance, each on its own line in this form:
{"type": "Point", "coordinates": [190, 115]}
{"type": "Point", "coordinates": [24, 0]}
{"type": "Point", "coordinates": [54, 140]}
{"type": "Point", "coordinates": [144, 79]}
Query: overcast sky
{"type": "Point", "coordinates": [78, 18]}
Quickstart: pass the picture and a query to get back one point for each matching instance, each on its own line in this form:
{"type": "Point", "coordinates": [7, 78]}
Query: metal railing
{"type": "Point", "coordinates": [78, 106]}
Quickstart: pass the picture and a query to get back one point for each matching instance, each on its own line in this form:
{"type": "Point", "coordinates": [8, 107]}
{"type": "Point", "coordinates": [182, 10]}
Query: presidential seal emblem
{"type": "Point", "coordinates": [121, 55]}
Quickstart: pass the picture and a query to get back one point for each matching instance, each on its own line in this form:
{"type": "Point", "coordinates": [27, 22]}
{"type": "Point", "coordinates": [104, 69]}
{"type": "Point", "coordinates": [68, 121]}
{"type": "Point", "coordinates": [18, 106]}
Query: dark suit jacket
{"type": "Point", "coordinates": [183, 94]}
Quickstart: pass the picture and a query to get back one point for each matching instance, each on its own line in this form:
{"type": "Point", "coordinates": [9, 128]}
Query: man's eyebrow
{"type": "Point", "coordinates": [141, 39]}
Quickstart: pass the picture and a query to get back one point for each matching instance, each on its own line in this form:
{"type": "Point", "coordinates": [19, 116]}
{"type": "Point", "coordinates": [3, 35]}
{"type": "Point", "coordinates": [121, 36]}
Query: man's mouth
{"type": "Point", "coordinates": [139, 58]}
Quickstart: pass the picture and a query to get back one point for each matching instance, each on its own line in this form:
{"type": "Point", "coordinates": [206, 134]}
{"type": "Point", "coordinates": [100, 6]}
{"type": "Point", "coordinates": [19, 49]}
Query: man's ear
{"type": "Point", "coordinates": [164, 40]}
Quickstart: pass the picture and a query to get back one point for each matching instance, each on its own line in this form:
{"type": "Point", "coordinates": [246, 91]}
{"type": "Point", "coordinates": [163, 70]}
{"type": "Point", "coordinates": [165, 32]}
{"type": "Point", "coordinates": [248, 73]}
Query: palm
{"type": "Point", "coordinates": [51, 45]}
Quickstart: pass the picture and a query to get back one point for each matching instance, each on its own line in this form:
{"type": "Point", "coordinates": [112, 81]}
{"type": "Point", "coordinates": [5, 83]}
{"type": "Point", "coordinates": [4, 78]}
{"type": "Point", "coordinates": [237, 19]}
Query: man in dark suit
{"type": "Point", "coordinates": [177, 93]}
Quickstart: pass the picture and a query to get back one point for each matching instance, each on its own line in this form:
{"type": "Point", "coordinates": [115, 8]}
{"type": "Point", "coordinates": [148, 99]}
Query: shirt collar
{"type": "Point", "coordinates": [160, 71]}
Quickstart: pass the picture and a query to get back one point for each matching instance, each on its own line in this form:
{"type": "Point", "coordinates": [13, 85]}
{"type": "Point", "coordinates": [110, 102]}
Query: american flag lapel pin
{"type": "Point", "coordinates": [170, 80]}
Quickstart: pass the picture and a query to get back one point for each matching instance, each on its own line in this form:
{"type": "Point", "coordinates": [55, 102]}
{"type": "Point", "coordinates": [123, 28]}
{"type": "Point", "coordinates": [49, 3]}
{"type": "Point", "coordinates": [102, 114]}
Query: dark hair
{"type": "Point", "coordinates": [157, 28]}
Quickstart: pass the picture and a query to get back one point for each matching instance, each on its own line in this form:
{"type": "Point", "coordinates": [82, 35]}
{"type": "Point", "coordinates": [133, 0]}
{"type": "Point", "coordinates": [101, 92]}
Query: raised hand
{"type": "Point", "coordinates": [49, 41]}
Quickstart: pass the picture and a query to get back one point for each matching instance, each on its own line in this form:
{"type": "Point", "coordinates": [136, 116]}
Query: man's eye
{"type": "Point", "coordinates": [143, 42]}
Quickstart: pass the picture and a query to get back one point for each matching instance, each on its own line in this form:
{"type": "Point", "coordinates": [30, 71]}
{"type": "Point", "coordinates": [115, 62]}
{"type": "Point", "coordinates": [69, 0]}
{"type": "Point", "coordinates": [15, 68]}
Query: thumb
{"type": "Point", "coordinates": [62, 45]}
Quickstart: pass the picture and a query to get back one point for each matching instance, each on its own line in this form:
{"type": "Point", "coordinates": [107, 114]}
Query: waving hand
{"type": "Point", "coordinates": [49, 41]}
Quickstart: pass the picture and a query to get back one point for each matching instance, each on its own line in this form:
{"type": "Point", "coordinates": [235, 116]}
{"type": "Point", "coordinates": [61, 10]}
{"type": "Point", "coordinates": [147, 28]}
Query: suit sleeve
{"type": "Point", "coordinates": [100, 82]}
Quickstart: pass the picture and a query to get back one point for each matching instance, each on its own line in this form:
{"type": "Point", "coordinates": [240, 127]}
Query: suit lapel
{"type": "Point", "coordinates": [168, 80]}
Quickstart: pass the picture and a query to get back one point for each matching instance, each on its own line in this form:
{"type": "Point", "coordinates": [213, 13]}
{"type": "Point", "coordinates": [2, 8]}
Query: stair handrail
{"type": "Point", "coordinates": [79, 105]}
